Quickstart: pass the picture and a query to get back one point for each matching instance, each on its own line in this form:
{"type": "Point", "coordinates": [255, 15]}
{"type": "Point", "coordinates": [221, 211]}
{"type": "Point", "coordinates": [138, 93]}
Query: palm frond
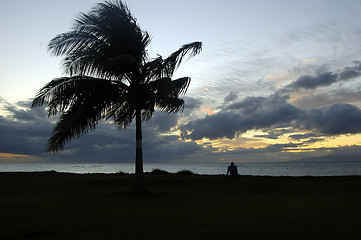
{"type": "Point", "coordinates": [161, 85]}
{"type": "Point", "coordinates": [122, 111]}
{"type": "Point", "coordinates": [170, 104]}
{"type": "Point", "coordinates": [82, 103]}
{"type": "Point", "coordinates": [45, 93]}
{"type": "Point", "coordinates": [152, 70]}
{"type": "Point", "coordinates": [99, 39]}
{"type": "Point", "coordinates": [79, 119]}
{"type": "Point", "coordinates": [66, 43]}
{"type": "Point", "coordinates": [166, 93]}
{"type": "Point", "coordinates": [181, 85]}
{"type": "Point", "coordinates": [62, 93]}
{"type": "Point", "coordinates": [167, 87]}
{"type": "Point", "coordinates": [175, 59]}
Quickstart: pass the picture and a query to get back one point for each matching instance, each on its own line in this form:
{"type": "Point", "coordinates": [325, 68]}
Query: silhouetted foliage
{"type": "Point", "coordinates": [185, 172]}
{"type": "Point", "coordinates": [159, 172]}
{"type": "Point", "coordinates": [111, 77]}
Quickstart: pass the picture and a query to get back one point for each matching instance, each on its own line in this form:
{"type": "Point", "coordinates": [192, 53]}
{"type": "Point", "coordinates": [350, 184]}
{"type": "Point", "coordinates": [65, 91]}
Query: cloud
{"type": "Point", "coordinates": [222, 124]}
{"type": "Point", "coordinates": [247, 105]}
{"type": "Point", "coordinates": [162, 122]}
{"type": "Point", "coordinates": [325, 78]}
{"type": "Point", "coordinates": [298, 137]}
{"type": "Point", "coordinates": [208, 110]}
{"type": "Point", "coordinates": [273, 134]}
{"type": "Point", "coordinates": [23, 137]}
{"type": "Point", "coordinates": [280, 147]}
{"type": "Point", "coordinates": [170, 149]}
{"type": "Point", "coordinates": [230, 97]}
{"type": "Point", "coordinates": [191, 103]}
{"type": "Point", "coordinates": [239, 117]}
{"type": "Point", "coordinates": [270, 112]}
{"type": "Point", "coordinates": [333, 120]}
{"type": "Point", "coordinates": [328, 97]}
{"type": "Point", "coordinates": [351, 72]}
{"type": "Point", "coordinates": [313, 140]}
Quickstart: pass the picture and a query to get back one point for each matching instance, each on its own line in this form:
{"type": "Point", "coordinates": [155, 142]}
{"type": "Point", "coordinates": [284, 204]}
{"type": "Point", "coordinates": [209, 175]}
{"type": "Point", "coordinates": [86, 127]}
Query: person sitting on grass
{"type": "Point", "coordinates": [232, 170]}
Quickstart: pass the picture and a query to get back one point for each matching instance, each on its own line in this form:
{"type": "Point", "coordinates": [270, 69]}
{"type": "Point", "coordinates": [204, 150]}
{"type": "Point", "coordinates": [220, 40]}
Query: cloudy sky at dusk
{"type": "Point", "coordinates": [277, 80]}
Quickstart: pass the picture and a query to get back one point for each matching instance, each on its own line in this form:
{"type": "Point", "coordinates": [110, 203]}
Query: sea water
{"type": "Point", "coordinates": [340, 168]}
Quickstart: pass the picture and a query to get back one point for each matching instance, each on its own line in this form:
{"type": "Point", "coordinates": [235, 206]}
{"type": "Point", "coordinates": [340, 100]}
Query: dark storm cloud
{"type": "Point", "coordinates": [332, 120]}
{"type": "Point", "coordinates": [280, 147]}
{"type": "Point", "coordinates": [171, 149]}
{"type": "Point", "coordinates": [25, 131]}
{"type": "Point", "coordinates": [230, 97]}
{"type": "Point", "coordinates": [192, 107]}
{"type": "Point", "coordinates": [273, 111]}
{"type": "Point", "coordinates": [162, 121]}
{"type": "Point", "coordinates": [351, 96]}
{"type": "Point", "coordinates": [251, 113]}
{"type": "Point", "coordinates": [325, 78]}
{"type": "Point", "coordinates": [248, 105]}
{"type": "Point", "coordinates": [303, 136]}
{"type": "Point", "coordinates": [273, 134]}
{"type": "Point", "coordinates": [191, 103]}
{"type": "Point", "coordinates": [351, 72]}
{"type": "Point", "coordinates": [106, 143]}
{"type": "Point", "coordinates": [26, 134]}
{"type": "Point", "coordinates": [221, 124]}
{"type": "Point", "coordinates": [313, 140]}
{"type": "Point", "coordinates": [270, 135]}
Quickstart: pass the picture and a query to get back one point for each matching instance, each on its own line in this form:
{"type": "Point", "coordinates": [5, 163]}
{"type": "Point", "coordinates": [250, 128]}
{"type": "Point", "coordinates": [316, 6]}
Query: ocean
{"type": "Point", "coordinates": [340, 168]}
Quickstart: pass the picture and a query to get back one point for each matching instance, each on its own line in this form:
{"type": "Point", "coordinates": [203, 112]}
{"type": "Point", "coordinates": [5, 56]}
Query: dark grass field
{"type": "Point", "coordinates": [98, 206]}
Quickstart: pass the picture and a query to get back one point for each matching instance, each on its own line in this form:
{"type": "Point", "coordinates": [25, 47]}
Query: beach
{"type": "Point", "coordinates": [51, 205]}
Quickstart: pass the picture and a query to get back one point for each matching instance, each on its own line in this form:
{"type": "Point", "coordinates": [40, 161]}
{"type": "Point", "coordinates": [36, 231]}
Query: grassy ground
{"type": "Point", "coordinates": [69, 206]}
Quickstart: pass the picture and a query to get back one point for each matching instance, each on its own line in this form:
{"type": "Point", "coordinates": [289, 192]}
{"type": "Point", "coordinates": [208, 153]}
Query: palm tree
{"type": "Point", "coordinates": [110, 78]}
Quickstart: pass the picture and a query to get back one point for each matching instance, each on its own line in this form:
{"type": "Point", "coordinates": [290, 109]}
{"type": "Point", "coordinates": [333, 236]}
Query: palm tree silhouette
{"type": "Point", "coordinates": [111, 77]}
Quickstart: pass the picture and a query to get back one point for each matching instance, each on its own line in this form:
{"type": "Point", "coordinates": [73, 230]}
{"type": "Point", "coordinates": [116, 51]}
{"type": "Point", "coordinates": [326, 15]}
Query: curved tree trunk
{"type": "Point", "coordinates": [138, 183]}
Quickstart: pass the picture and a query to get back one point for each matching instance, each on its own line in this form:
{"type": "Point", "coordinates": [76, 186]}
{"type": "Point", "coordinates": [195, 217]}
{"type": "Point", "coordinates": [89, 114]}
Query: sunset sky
{"type": "Point", "coordinates": [277, 80]}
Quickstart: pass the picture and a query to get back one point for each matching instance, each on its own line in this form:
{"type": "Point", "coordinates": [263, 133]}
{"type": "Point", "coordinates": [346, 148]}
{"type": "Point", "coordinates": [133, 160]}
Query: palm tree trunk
{"type": "Point", "coordinates": [138, 183]}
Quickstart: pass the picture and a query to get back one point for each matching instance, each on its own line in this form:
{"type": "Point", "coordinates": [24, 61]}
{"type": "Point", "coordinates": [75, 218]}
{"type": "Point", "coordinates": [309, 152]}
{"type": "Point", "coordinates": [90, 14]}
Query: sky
{"type": "Point", "coordinates": [277, 80]}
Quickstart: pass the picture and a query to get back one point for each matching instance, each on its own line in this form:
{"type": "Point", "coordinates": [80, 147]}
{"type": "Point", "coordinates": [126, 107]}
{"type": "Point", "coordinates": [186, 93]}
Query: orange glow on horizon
{"type": "Point", "coordinates": [10, 155]}
{"type": "Point", "coordinates": [18, 158]}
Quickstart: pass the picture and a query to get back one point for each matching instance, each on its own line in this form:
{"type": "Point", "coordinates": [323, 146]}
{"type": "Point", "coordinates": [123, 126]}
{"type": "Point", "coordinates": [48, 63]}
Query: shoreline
{"type": "Point", "coordinates": [158, 172]}
{"type": "Point", "coordinates": [253, 169]}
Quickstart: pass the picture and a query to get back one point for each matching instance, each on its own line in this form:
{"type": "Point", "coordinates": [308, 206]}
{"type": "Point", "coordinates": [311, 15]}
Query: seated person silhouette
{"type": "Point", "coordinates": [232, 170]}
